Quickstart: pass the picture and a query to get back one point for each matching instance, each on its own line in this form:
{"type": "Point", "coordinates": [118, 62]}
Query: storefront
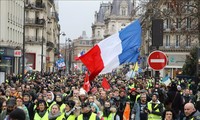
{"type": "Point", "coordinates": [6, 60]}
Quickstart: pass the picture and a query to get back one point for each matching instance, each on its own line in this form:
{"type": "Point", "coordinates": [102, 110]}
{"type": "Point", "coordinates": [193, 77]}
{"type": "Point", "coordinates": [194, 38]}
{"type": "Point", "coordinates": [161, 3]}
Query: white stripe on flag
{"type": "Point", "coordinates": [157, 60]}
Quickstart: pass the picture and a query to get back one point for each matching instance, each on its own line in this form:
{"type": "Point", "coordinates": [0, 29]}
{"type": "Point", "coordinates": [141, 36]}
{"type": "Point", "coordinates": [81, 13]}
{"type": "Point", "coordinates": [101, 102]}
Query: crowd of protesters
{"type": "Point", "coordinates": [53, 96]}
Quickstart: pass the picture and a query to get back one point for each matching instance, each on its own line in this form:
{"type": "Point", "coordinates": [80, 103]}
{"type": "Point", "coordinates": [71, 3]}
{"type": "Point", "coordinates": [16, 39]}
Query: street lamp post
{"type": "Point", "coordinates": [63, 34]}
{"type": "Point", "coordinates": [68, 64]}
{"type": "Point", "coordinates": [42, 51]}
{"type": "Point", "coordinates": [23, 46]}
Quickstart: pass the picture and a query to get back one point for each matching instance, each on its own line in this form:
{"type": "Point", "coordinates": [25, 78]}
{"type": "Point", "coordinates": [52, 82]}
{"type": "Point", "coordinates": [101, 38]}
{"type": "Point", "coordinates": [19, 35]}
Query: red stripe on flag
{"type": "Point", "coordinates": [93, 61]}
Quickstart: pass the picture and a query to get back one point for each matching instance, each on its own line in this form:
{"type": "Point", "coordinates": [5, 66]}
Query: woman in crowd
{"type": "Point", "coordinates": [168, 115]}
{"type": "Point", "coordinates": [55, 113]}
{"type": "Point", "coordinates": [68, 113]}
{"type": "Point", "coordinates": [41, 112]}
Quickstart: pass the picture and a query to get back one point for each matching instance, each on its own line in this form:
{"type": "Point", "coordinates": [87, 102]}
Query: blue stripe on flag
{"type": "Point", "coordinates": [131, 42]}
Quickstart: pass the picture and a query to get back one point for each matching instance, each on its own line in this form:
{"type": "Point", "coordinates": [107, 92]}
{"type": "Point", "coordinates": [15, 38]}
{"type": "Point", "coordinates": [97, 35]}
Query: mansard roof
{"type": "Point", "coordinates": [116, 7]}
{"type": "Point", "coordinates": [103, 8]}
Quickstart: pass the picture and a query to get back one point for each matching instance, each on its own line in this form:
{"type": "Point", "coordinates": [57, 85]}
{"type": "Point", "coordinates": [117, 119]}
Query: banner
{"type": "Point", "coordinates": [60, 63]}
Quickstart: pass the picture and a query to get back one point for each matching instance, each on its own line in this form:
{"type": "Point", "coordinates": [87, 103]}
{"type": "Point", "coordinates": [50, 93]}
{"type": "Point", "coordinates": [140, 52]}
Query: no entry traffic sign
{"type": "Point", "coordinates": [157, 60]}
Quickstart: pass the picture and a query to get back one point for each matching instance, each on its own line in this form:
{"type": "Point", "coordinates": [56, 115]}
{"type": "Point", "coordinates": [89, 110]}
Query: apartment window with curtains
{"type": "Point", "coordinates": [177, 43]}
{"type": "Point", "coordinates": [167, 41]}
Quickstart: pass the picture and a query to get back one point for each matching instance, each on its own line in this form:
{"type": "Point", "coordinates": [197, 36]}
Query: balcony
{"type": "Point", "coordinates": [33, 40]}
{"type": "Point", "coordinates": [34, 22]}
{"type": "Point", "coordinates": [37, 6]}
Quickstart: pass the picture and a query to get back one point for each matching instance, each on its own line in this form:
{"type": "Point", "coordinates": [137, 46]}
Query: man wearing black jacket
{"type": "Point", "coordinates": [174, 97]}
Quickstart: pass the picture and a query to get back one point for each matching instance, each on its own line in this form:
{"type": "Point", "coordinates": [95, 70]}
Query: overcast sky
{"type": "Point", "coordinates": [77, 16]}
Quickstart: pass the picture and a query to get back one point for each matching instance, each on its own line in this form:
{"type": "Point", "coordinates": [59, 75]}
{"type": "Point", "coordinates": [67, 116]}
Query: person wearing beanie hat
{"type": "Point", "coordinates": [68, 112]}
{"type": "Point", "coordinates": [17, 114]}
{"type": "Point", "coordinates": [154, 108]}
{"type": "Point", "coordinates": [82, 95]}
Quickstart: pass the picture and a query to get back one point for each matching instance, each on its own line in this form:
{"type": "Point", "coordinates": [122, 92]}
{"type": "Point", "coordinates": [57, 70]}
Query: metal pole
{"type": "Point", "coordinates": [69, 65]}
{"type": "Point", "coordinates": [66, 56]}
{"type": "Point", "coordinates": [42, 52]}
{"type": "Point", "coordinates": [23, 49]}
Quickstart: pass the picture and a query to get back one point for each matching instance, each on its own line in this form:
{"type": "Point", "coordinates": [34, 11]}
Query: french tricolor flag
{"type": "Point", "coordinates": [121, 47]}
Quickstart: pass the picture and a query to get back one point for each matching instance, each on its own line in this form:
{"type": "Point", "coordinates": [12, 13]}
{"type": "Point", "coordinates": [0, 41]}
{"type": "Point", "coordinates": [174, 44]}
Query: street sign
{"type": "Point", "coordinates": [17, 53]}
{"type": "Point", "coordinates": [157, 60]}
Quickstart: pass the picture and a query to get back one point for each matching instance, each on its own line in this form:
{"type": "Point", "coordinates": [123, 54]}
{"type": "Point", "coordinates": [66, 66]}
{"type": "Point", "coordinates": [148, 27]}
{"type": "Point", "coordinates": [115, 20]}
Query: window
{"type": "Point", "coordinates": [167, 23]}
{"type": "Point", "coordinates": [98, 33]}
{"type": "Point", "coordinates": [113, 27]}
{"type": "Point", "coordinates": [177, 43]}
{"type": "Point", "coordinates": [167, 43]}
{"type": "Point", "coordinates": [188, 41]}
{"type": "Point", "coordinates": [87, 42]}
{"type": "Point", "coordinates": [188, 22]}
{"type": "Point", "coordinates": [123, 12]}
{"type": "Point", "coordinates": [178, 23]}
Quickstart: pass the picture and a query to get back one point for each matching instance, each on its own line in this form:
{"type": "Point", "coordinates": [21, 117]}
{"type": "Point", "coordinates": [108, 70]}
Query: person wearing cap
{"type": "Point", "coordinates": [55, 113]}
{"type": "Point", "coordinates": [68, 112]}
{"type": "Point", "coordinates": [41, 112]}
{"type": "Point", "coordinates": [154, 108]}
{"type": "Point", "coordinates": [87, 113]}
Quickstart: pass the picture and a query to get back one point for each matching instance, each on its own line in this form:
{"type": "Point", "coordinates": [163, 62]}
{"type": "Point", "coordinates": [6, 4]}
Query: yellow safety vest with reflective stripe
{"type": "Point", "coordinates": [153, 116]}
{"type": "Point", "coordinates": [92, 117]}
{"type": "Point", "coordinates": [37, 117]}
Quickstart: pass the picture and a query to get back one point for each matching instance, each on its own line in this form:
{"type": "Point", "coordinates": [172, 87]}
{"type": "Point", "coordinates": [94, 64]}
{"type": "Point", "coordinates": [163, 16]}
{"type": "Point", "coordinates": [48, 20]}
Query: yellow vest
{"type": "Point", "coordinates": [132, 86]}
{"type": "Point", "coordinates": [136, 99]}
{"type": "Point", "coordinates": [110, 117]}
{"type": "Point", "coordinates": [92, 117]}
{"type": "Point", "coordinates": [150, 115]}
{"type": "Point", "coordinates": [37, 117]}
{"type": "Point", "coordinates": [49, 106]}
{"type": "Point", "coordinates": [62, 107]}
{"type": "Point", "coordinates": [71, 117]}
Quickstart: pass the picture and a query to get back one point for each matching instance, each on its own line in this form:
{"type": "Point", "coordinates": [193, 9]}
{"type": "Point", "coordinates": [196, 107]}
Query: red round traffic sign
{"type": "Point", "coordinates": [157, 60]}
